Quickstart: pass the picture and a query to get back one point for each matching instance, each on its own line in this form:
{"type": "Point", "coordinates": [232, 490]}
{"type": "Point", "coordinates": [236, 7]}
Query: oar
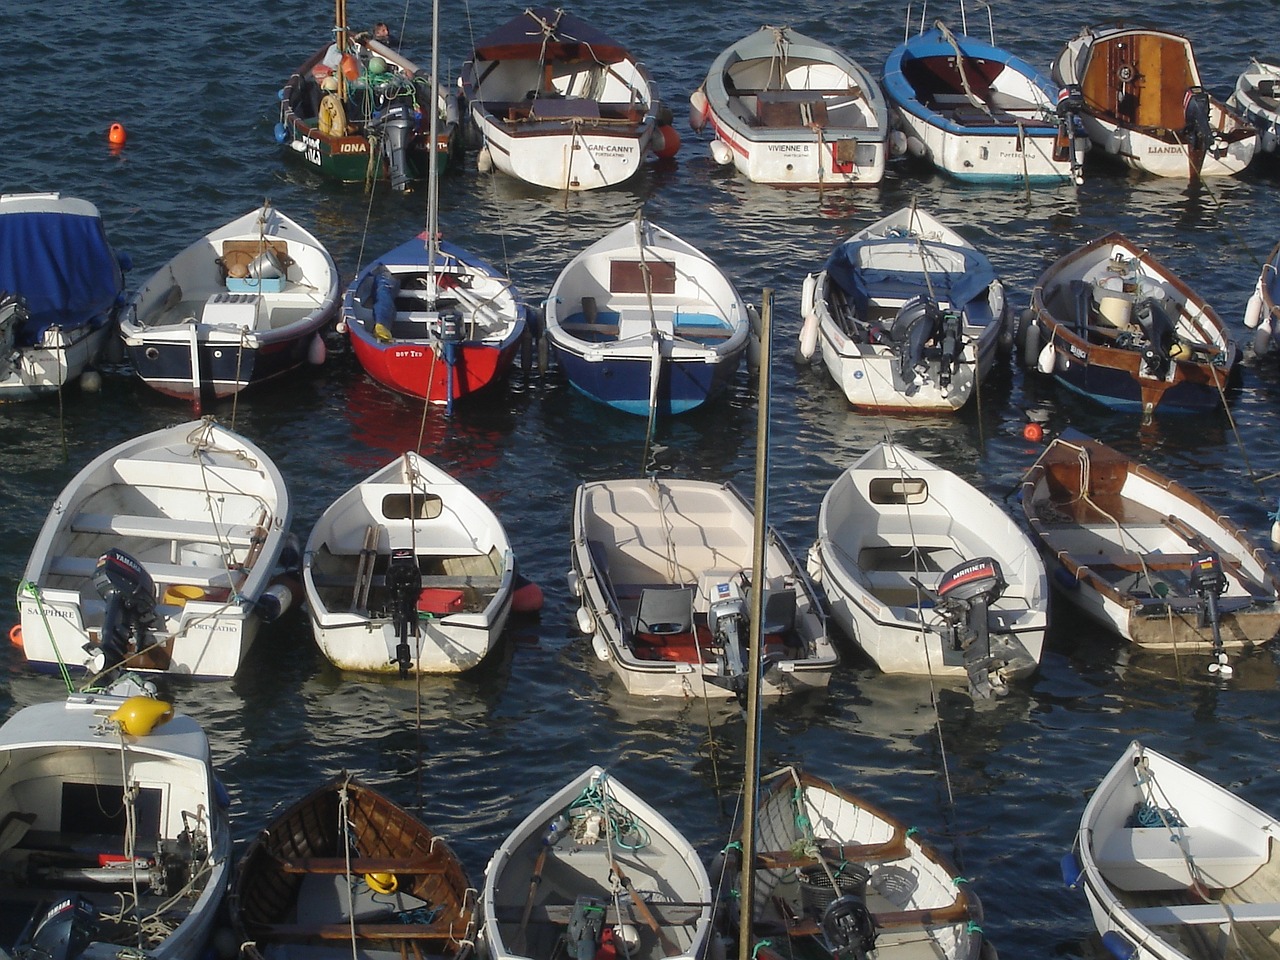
{"type": "Point", "coordinates": [642, 908]}
{"type": "Point", "coordinates": [534, 881]}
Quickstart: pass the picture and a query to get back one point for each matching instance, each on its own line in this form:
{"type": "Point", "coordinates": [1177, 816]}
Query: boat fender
{"type": "Point", "coordinates": [316, 352]}
{"type": "Point", "coordinates": [527, 597]}
{"type": "Point", "coordinates": [15, 635]}
{"type": "Point", "coordinates": [1253, 309]}
{"type": "Point", "coordinates": [916, 147]}
{"type": "Point", "coordinates": [626, 938]}
{"type": "Point", "coordinates": [484, 160]}
{"type": "Point", "coordinates": [995, 298]}
{"type": "Point", "coordinates": [699, 109]}
{"type": "Point", "coordinates": [586, 620]}
{"type": "Point", "coordinates": [384, 883]}
{"type": "Point", "coordinates": [332, 119]}
{"type": "Point", "coordinates": [1275, 545]}
{"type": "Point", "coordinates": [1071, 870]}
{"type": "Point", "coordinates": [721, 153]}
{"type": "Point", "coordinates": [1028, 339]}
{"type": "Point", "coordinates": [544, 359]}
{"type": "Point", "coordinates": [753, 337]}
{"type": "Point", "coordinates": [281, 133]}
{"type": "Point", "coordinates": [91, 381]}
{"type": "Point", "coordinates": [897, 143]}
{"type": "Point", "coordinates": [138, 716]}
{"type": "Point", "coordinates": [1262, 340]}
{"type": "Point", "coordinates": [1047, 359]}
{"type": "Point", "coordinates": [600, 648]}
{"type": "Point", "coordinates": [274, 602]}
{"type": "Point", "coordinates": [1118, 945]}
{"type": "Point", "coordinates": [666, 142]}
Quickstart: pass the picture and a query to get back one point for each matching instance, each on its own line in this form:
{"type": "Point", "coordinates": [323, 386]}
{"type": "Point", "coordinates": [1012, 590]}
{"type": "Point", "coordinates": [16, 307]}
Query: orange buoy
{"type": "Point", "coordinates": [117, 135]}
{"type": "Point", "coordinates": [666, 142]}
{"type": "Point", "coordinates": [15, 635]}
{"type": "Point", "coordinates": [527, 597]}
{"type": "Point", "coordinates": [350, 67]}
{"type": "Point", "coordinates": [1033, 432]}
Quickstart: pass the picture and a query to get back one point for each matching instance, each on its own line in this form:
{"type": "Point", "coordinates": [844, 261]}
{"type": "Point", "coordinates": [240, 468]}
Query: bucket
{"type": "Point", "coordinates": [266, 266]}
{"type": "Point", "coordinates": [201, 555]}
{"type": "Point", "coordinates": [180, 594]}
{"type": "Point", "coordinates": [816, 892]}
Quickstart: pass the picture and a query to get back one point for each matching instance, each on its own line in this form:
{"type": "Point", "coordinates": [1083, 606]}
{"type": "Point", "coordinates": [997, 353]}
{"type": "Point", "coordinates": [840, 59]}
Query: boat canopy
{"type": "Point", "coordinates": [541, 33]}
{"type": "Point", "coordinates": [856, 269]}
{"type": "Point", "coordinates": [61, 264]}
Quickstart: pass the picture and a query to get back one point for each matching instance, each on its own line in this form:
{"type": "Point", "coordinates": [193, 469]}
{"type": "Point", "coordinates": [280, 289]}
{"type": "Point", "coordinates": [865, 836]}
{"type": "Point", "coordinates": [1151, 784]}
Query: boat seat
{"type": "Point", "coordinates": [668, 914]}
{"type": "Point", "coordinates": [1132, 561]}
{"type": "Point", "coordinates": [1200, 913]}
{"type": "Point", "coordinates": [1149, 858]}
{"type": "Point", "coordinates": [164, 528]}
{"type": "Point", "coordinates": [420, 866]}
{"type": "Point", "coordinates": [447, 931]}
{"type": "Point", "coordinates": [665, 610]}
{"type": "Point", "coordinates": [83, 567]}
{"type": "Point", "coordinates": [186, 475]}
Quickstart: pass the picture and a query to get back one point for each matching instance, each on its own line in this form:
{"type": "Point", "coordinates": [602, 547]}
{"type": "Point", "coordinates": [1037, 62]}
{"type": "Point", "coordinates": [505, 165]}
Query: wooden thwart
{"type": "Point", "coordinates": [362, 865]}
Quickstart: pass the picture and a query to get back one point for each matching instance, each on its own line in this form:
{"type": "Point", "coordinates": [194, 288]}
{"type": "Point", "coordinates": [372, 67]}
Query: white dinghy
{"type": "Point", "coordinates": [661, 568]}
{"type": "Point", "coordinates": [114, 835]}
{"type": "Point", "coordinates": [927, 574]}
{"type": "Point", "coordinates": [408, 572]}
{"type": "Point", "coordinates": [159, 556]}
{"type": "Point", "coordinates": [907, 313]}
{"type": "Point", "coordinates": [1174, 866]}
{"type": "Point", "coordinates": [1257, 97]}
{"type": "Point", "coordinates": [596, 867]}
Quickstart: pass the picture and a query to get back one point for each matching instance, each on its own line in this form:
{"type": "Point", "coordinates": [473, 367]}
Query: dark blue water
{"type": "Point", "coordinates": [1001, 789]}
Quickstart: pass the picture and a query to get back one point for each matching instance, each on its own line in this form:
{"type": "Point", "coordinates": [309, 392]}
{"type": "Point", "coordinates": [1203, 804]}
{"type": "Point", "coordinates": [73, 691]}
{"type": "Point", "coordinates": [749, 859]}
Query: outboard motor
{"type": "Point", "coordinates": [848, 928]}
{"type": "Point", "coordinates": [965, 593]}
{"type": "Point", "coordinates": [396, 126]}
{"type": "Point", "coordinates": [13, 312]}
{"type": "Point", "coordinates": [585, 926]}
{"type": "Point", "coordinates": [63, 933]}
{"type": "Point", "coordinates": [952, 344]}
{"type": "Point", "coordinates": [1195, 108]}
{"type": "Point", "coordinates": [404, 582]}
{"type": "Point", "coordinates": [918, 322]}
{"type": "Point", "coordinates": [1208, 582]}
{"type": "Point", "coordinates": [1161, 337]}
{"type": "Point", "coordinates": [130, 596]}
{"type": "Point", "coordinates": [727, 621]}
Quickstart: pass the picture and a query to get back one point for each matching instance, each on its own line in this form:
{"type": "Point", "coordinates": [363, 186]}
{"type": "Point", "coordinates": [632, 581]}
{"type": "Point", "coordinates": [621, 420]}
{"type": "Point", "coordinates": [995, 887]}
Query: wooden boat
{"type": "Point", "coordinates": [595, 868]}
{"type": "Point", "coordinates": [1146, 556]}
{"type": "Point", "coordinates": [159, 556]}
{"type": "Point", "coordinates": [907, 313]}
{"type": "Point", "coordinates": [1257, 98]}
{"type": "Point", "coordinates": [1143, 102]}
{"type": "Point", "coordinates": [408, 572]}
{"type": "Point", "coordinates": [559, 104]}
{"type": "Point", "coordinates": [791, 110]}
{"type": "Point", "coordinates": [661, 568]}
{"type": "Point", "coordinates": [106, 799]}
{"type": "Point", "coordinates": [836, 874]}
{"type": "Point", "coordinates": [645, 322]}
{"type": "Point", "coordinates": [1262, 313]}
{"type": "Point", "coordinates": [978, 112]}
{"type": "Point", "coordinates": [349, 868]}
{"type": "Point", "coordinates": [358, 111]}
{"type": "Point", "coordinates": [927, 574]}
{"type": "Point", "coordinates": [242, 305]}
{"type": "Point", "coordinates": [1174, 866]}
{"type": "Point", "coordinates": [61, 286]}
{"type": "Point", "coordinates": [1113, 323]}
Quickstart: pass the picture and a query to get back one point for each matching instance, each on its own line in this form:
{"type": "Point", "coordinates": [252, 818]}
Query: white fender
{"type": "Point", "coordinates": [721, 153]}
{"type": "Point", "coordinates": [813, 563]}
{"type": "Point", "coordinates": [995, 297]}
{"type": "Point", "coordinates": [484, 160]}
{"type": "Point", "coordinates": [1262, 340]}
{"type": "Point", "coordinates": [897, 143]}
{"type": "Point", "coordinates": [600, 648]}
{"type": "Point", "coordinates": [916, 147]}
{"type": "Point", "coordinates": [1275, 535]}
{"type": "Point", "coordinates": [586, 620]}
{"type": "Point", "coordinates": [698, 109]}
{"type": "Point", "coordinates": [575, 585]}
{"type": "Point", "coordinates": [1047, 359]}
{"type": "Point", "coordinates": [1253, 309]}
{"type": "Point", "coordinates": [316, 352]}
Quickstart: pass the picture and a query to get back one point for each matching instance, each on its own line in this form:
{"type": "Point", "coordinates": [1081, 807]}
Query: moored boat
{"type": "Point", "coordinates": [1113, 323]}
{"type": "Point", "coordinates": [1171, 863]}
{"type": "Point", "coordinates": [980, 113]}
{"type": "Point", "coordinates": [61, 287]}
{"type": "Point", "coordinates": [1262, 312]}
{"type": "Point", "coordinates": [242, 305]}
{"type": "Point", "coordinates": [1257, 97]}
{"type": "Point", "coordinates": [557, 103]}
{"type": "Point", "coordinates": [908, 315]}
{"type": "Point", "coordinates": [114, 832]}
{"type": "Point", "coordinates": [790, 110]}
{"type": "Point", "coordinates": [159, 555]}
{"type": "Point", "coordinates": [646, 323]}
{"type": "Point", "coordinates": [661, 568]}
{"type": "Point", "coordinates": [350, 868]}
{"type": "Point", "coordinates": [927, 574]}
{"type": "Point", "coordinates": [408, 572]}
{"type": "Point", "coordinates": [594, 868]}
{"type": "Point", "coordinates": [1144, 102]}
{"type": "Point", "coordinates": [1144, 555]}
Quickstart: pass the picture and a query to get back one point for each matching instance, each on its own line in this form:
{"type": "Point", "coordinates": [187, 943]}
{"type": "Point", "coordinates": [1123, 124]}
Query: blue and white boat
{"type": "Point", "coordinates": [643, 321]}
{"type": "Point", "coordinates": [1257, 97]}
{"type": "Point", "coordinates": [1262, 314]}
{"type": "Point", "coordinates": [980, 113]}
{"type": "Point", "coordinates": [61, 286]}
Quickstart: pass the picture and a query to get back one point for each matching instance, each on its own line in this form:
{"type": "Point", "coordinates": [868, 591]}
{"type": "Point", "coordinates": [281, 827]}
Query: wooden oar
{"type": "Point", "coordinates": [642, 907]}
{"type": "Point", "coordinates": [534, 881]}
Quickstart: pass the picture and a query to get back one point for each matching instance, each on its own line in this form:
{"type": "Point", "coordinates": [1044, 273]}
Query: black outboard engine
{"type": "Point", "coordinates": [586, 924]}
{"type": "Point", "coordinates": [396, 126]}
{"type": "Point", "coordinates": [952, 344]}
{"type": "Point", "coordinates": [63, 933]}
{"type": "Point", "coordinates": [1160, 333]}
{"type": "Point", "coordinates": [965, 593]}
{"type": "Point", "coordinates": [918, 321]}
{"type": "Point", "coordinates": [404, 581]}
{"type": "Point", "coordinates": [1195, 108]}
{"type": "Point", "coordinates": [1209, 583]}
{"type": "Point", "coordinates": [848, 928]}
{"type": "Point", "coordinates": [130, 595]}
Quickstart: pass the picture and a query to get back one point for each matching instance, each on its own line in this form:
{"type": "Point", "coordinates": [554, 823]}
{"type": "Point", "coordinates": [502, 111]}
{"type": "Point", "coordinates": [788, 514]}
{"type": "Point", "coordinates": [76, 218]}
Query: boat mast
{"type": "Point", "coordinates": [751, 759]}
{"type": "Point", "coordinates": [340, 41]}
{"type": "Point", "coordinates": [433, 178]}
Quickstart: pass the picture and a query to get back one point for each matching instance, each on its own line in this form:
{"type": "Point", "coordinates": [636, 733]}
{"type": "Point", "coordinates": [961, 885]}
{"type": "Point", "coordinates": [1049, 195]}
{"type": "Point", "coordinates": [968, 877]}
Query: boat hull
{"type": "Point", "coordinates": [624, 382]}
{"type": "Point", "coordinates": [59, 358]}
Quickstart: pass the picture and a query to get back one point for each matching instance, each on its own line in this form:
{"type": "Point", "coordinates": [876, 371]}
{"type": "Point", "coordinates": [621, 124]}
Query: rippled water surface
{"type": "Point", "coordinates": [1001, 788]}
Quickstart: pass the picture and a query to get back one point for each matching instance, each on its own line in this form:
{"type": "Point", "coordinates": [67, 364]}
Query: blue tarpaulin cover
{"type": "Point", "coordinates": [62, 265]}
{"type": "Point", "coordinates": [860, 282]}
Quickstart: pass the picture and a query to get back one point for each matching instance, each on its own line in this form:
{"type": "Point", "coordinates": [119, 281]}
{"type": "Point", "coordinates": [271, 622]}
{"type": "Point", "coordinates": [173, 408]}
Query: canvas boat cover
{"type": "Point", "coordinates": [541, 33]}
{"type": "Point", "coordinates": [55, 255]}
{"type": "Point", "coordinates": [861, 278]}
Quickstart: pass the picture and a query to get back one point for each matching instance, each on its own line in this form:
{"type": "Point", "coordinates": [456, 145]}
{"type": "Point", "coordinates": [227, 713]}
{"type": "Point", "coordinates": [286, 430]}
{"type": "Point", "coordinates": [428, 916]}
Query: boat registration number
{"type": "Point", "coordinates": [311, 150]}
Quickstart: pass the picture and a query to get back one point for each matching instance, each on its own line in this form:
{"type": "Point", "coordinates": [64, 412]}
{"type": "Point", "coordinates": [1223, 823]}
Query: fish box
{"type": "Point", "coordinates": [441, 601]}
{"type": "Point", "coordinates": [254, 285]}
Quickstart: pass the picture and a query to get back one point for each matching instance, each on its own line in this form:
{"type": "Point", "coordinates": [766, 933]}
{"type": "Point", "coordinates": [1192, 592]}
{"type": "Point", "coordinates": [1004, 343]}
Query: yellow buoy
{"type": "Point", "coordinates": [138, 716]}
{"type": "Point", "coordinates": [382, 882]}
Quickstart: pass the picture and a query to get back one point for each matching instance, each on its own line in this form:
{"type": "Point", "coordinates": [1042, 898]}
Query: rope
{"type": "Point", "coordinates": [34, 591]}
{"type": "Point", "coordinates": [344, 833]}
